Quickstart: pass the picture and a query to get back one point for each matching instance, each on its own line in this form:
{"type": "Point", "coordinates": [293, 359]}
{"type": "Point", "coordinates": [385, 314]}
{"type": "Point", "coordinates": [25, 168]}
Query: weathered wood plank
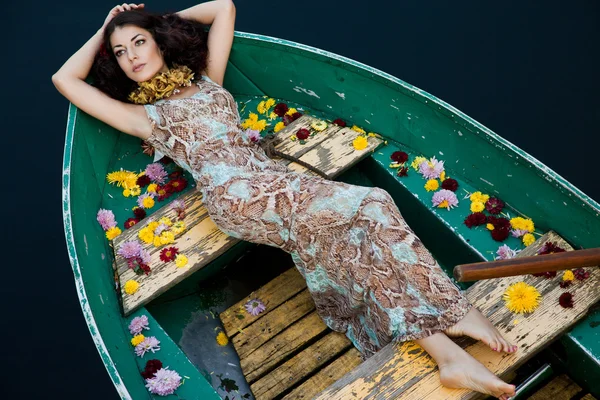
{"type": "Point", "coordinates": [293, 147]}
{"type": "Point", "coordinates": [326, 376]}
{"type": "Point", "coordinates": [381, 376]}
{"type": "Point", "coordinates": [273, 323]}
{"type": "Point", "coordinates": [286, 343]}
{"type": "Point", "coordinates": [235, 318]}
{"type": "Point", "coordinates": [559, 388]}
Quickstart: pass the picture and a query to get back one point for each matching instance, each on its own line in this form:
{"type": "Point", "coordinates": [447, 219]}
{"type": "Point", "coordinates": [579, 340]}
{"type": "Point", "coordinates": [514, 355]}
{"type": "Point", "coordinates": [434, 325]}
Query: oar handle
{"type": "Point", "coordinates": [527, 265]}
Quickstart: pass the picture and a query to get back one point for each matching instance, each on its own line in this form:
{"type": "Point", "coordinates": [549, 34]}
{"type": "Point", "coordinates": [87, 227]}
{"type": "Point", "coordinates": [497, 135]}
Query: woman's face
{"type": "Point", "coordinates": [137, 53]}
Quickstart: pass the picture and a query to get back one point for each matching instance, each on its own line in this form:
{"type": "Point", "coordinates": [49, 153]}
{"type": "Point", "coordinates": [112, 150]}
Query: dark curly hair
{"type": "Point", "coordinates": [181, 41]}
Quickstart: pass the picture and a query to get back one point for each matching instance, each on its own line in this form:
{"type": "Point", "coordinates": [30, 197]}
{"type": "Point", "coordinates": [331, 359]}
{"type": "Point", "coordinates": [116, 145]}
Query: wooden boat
{"type": "Point", "coordinates": [409, 119]}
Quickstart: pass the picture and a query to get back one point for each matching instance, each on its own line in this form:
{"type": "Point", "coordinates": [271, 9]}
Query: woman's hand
{"type": "Point", "coordinates": [119, 9]}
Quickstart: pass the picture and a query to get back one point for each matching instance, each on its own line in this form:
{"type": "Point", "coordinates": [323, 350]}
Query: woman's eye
{"type": "Point", "coordinates": [118, 53]}
{"type": "Point", "coordinates": [141, 41]}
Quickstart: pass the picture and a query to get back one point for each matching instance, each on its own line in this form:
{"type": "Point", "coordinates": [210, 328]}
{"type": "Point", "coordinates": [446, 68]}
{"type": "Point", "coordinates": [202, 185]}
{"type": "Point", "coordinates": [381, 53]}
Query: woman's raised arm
{"type": "Point", "coordinates": [220, 14]}
{"type": "Point", "coordinates": [70, 82]}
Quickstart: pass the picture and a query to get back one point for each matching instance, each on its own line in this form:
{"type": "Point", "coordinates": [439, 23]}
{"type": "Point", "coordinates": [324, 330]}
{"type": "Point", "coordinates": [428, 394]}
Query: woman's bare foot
{"type": "Point", "coordinates": [464, 372]}
{"type": "Point", "coordinates": [475, 325]}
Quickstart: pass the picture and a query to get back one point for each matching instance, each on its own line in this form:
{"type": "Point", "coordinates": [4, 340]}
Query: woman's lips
{"type": "Point", "coordinates": [138, 68]}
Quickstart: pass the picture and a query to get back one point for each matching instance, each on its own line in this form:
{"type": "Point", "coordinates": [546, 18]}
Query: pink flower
{"type": "Point", "coordinates": [148, 344]}
{"type": "Point", "coordinates": [138, 324]}
{"type": "Point", "coordinates": [130, 249]}
{"type": "Point", "coordinates": [160, 229]}
{"type": "Point", "coordinates": [156, 172]}
{"type": "Point", "coordinates": [444, 199]}
{"type": "Point", "coordinates": [504, 253]}
{"type": "Point", "coordinates": [431, 169]}
{"type": "Point", "coordinates": [179, 207]}
{"type": "Point", "coordinates": [253, 135]}
{"type": "Point", "coordinates": [164, 382]}
{"type": "Point", "coordinates": [518, 232]}
{"type": "Point", "coordinates": [140, 200]}
{"type": "Point", "coordinates": [106, 219]}
{"type": "Point", "coordinates": [255, 307]}
{"type": "Point", "coordinates": [144, 256]}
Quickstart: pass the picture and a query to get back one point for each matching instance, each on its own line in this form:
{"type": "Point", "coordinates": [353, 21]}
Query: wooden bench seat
{"type": "Point", "coordinates": [287, 352]}
{"type": "Point", "coordinates": [330, 151]}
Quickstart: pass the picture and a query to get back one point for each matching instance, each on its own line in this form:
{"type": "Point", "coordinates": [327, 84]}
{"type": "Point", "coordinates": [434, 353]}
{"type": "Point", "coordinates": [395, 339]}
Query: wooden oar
{"type": "Point", "coordinates": [527, 265]}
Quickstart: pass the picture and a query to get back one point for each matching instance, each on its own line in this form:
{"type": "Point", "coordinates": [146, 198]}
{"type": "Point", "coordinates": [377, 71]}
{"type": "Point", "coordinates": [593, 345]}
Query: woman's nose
{"type": "Point", "coordinates": [132, 55]}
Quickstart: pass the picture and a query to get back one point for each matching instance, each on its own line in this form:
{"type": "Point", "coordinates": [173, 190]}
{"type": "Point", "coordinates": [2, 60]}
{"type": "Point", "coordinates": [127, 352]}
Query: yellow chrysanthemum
{"type": "Point", "coordinates": [165, 220]}
{"type": "Point", "coordinates": [360, 143]}
{"type": "Point", "coordinates": [522, 223]}
{"type": "Point", "coordinates": [156, 241]}
{"type": "Point", "coordinates": [181, 260]}
{"type": "Point", "coordinates": [270, 103]}
{"type": "Point", "coordinates": [126, 192]}
{"type": "Point", "coordinates": [251, 120]}
{"type": "Point", "coordinates": [568, 275]}
{"type": "Point", "coordinates": [278, 126]}
{"type": "Point", "coordinates": [443, 176]}
{"type": "Point", "coordinates": [135, 191]}
{"type": "Point", "coordinates": [490, 227]}
{"type": "Point", "coordinates": [123, 178]}
{"type": "Point", "coordinates": [167, 237]}
{"type": "Point", "coordinates": [444, 204]}
{"type": "Point", "coordinates": [479, 197]}
{"type": "Point", "coordinates": [137, 339]}
{"type": "Point", "coordinates": [358, 129]}
{"type": "Point", "coordinates": [319, 126]}
{"type": "Point", "coordinates": [148, 202]}
{"type": "Point", "coordinates": [272, 115]}
{"type": "Point", "coordinates": [528, 239]}
{"type": "Point", "coordinates": [432, 185]}
{"type": "Point", "coordinates": [259, 125]}
{"type": "Point", "coordinates": [477, 206]}
{"type": "Point", "coordinates": [291, 111]}
{"type": "Point", "coordinates": [113, 233]}
{"type": "Point", "coordinates": [262, 107]}
{"type": "Point", "coordinates": [152, 188]}
{"type": "Point", "coordinates": [131, 286]}
{"type": "Point", "coordinates": [146, 235]}
{"type": "Point", "coordinates": [222, 339]}
{"type": "Point", "coordinates": [153, 225]}
{"type": "Point", "coordinates": [521, 298]}
{"type": "Point", "coordinates": [178, 227]}
{"type": "Point", "coordinates": [417, 162]}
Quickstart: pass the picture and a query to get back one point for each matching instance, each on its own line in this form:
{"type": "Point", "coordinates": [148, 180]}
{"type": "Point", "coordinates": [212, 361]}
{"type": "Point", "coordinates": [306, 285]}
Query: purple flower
{"type": "Point", "coordinates": [156, 172]}
{"type": "Point", "coordinates": [138, 324]}
{"type": "Point", "coordinates": [140, 200]}
{"type": "Point", "coordinates": [431, 169]}
{"type": "Point", "coordinates": [130, 249]}
{"type": "Point", "coordinates": [518, 232]}
{"type": "Point", "coordinates": [255, 307]}
{"type": "Point", "coordinates": [160, 229]}
{"type": "Point", "coordinates": [148, 344]}
{"type": "Point", "coordinates": [106, 218]}
{"type": "Point", "coordinates": [144, 256]}
{"type": "Point", "coordinates": [504, 253]}
{"type": "Point", "coordinates": [253, 134]}
{"type": "Point", "coordinates": [178, 205]}
{"type": "Point", "coordinates": [444, 199]}
{"type": "Point", "coordinates": [164, 382]}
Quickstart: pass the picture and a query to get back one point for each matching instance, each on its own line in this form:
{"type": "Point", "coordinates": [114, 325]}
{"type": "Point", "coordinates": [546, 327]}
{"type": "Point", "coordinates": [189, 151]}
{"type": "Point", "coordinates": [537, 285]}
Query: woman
{"type": "Point", "coordinates": [369, 275]}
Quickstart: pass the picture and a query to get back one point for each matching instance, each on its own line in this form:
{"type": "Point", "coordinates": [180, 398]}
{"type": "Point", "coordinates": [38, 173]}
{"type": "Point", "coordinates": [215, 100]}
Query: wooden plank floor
{"type": "Point", "coordinates": [330, 151]}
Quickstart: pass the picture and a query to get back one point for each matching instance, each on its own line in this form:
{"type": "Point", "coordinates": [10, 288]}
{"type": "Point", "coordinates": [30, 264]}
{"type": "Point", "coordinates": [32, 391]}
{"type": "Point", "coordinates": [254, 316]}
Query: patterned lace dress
{"type": "Point", "coordinates": [369, 275]}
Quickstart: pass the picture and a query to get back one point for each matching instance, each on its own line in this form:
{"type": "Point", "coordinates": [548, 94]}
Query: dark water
{"type": "Point", "coordinates": [528, 72]}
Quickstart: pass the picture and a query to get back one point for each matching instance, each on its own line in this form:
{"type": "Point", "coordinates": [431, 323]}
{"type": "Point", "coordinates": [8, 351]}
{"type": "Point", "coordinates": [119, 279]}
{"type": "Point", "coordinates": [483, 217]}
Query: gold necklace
{"type": "Point", "coordinates": [162, 85]}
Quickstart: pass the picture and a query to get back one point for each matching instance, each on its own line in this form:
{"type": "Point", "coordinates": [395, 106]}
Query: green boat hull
{"type": "Point", "coordinates": [332, 85]}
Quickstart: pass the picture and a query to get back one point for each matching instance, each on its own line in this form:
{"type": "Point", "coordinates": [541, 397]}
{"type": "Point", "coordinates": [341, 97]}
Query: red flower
{"type": "Point", "coordinates": [550, 248]}
{"type": "Point", "coordinates": [102, 51]}
{"type": "Point", "coordinates": [168, 254]}
{"type": "Point", "coordinates": [175, 174]}
{"type": "Point", "coordinates": [143, 181]}
{"type": "Point", "coordinates": [450, 184]}
{"type": "Point", "coordinates": [302, 134]}
{"type": "Point", "coordinates": [145, 268]}
{"type": "Point", "coordinates": [399, 157]}
{"type": "Point", "coordinates": [139, 213]}
{"type": "Point", "coordinates": [566, 300]}
{"type": "Point", "coordinates": [130, 222]}
{"type": "Point", "coordinates": [581, 274]}
{"type": "Point", "coordinates": [547, 275]}
{"type": "Point", "coordinates": [280, 109]}
{"type": "Point", "coordinates": [177, 185]}
{"type": "Point", "coordinates": [403, 171]}
{"type": "Point", "coordinates": [475, 219]}
{"type": "Point", "coordinates": [288, 119]}
{"type": "Point", "coordinates": [501, 228]}
{"type": "Point", "coordinates": [565, 284]}
{"type": "Point", "coordinates": [494, 205]}
{"type": "Point", "coordinates": [165, 160]}
{"type": "Point", "coordinates": [164, 191]}
{"type": "Point", "coordinates": [340, 122]}
{"type": "Point", "coordinates": [151, 367]}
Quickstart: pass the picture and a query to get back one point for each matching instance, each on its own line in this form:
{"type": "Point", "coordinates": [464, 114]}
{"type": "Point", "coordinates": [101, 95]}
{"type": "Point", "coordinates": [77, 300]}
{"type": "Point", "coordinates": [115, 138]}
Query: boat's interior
{"type": "Point", "coordinates": [409, 120]}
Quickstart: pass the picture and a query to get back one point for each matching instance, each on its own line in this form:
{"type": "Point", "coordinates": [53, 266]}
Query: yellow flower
{"type": "Point", "coordinates": [252, 118]}
{"type": "Point", "coordinates": [222, 339]}
{"type": "Point", "coordinates": [272, 115]}
{"type": "Point", "coordinates": [432, 185]}
{"type": "Point", "coordinates": [291, 111]}
{"type": "Point", "coordinates": [279, 126]}
{"type": "Point", "coordinates": [131, 286]}
{"type": "Point", "coordinates": [153, 225]}
{"type": "Point", "coordinates": [395, 165]}
{"type": "Point", "coordinates": [152, 188]}
{"type": "Point", "coordinates": [146, 235]}
{"type": "Point", "coordinates": [181, 260]}
{"type": "Point", "coordinates": [137, 339]}
{"type": "Point", "coordinates": [135, 191]}
{"type": "Point", "coordinates": [443, 176]}
{"type": "Point", "coordinates": [178, 227]}
{"type": "Point", "coordinates": [113, 233]}
{"type": "Point", "coordinates": [477, 206]}
{"type": "Point", "coordinates": [156, 241]}
{"type": "Point", "coordinates": [319, 126]}
{"type": "Point", "coordinates": [417, 162]}
{"type": "Point", "coordinates": [148, 202]}
{"type": "Point", "coordinates": [259, 125]}
{"type": "Point", "coordinates": [122, 178]}
{"type": "Point", "coordinates": [126, 192]}
{"type": "Point", "coordinates": [528, 239]}
{"type": "Point", "coordinates": [490, 227]}
{"type": "Point", "coordinates": [479, 197]}
{"type": "Point", "coordinates": [167, 237]}
{"type": "Point", "coordinates": [522, 223]}
{"type": "Point", "coordinates": [360, 143]}
{"type": "Point", "coordinates": [357, 129]}
{"type": "Point", "coordinates": [568, 275]}
{"type": "Point", "coordinates": [270, 103]}
{"type": "Point", "coordinates": [262, 108]}
{"type": "Point", "coordinates": [444, 204]}
{"type": "Point", "coordinates": [166, 221]}
{"type": "Point", "coordinates": [521, 298]}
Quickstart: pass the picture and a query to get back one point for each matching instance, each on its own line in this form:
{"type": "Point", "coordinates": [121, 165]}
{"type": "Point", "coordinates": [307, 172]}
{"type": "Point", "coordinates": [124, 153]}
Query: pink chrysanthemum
{"type": "Point", "coordinates": [255, 307]}
{"type": "Point", "coordinates": [253, 134]}
{"type": "Point", "coordinates": [144, 256]}
{"type": "Point", "coordinates": [140, 200]}
{"type": "Point", "coordinates": [156, 172]}
{"type": "Point", "coordinates": [160, 229]}
{"type": "Point", "coordinates": [138, 324]}
{"type": "Point", "coordinates": [164, 382]}
{"type": "Point", "coordinates": [106, 219]}
{"type": "Point", "coordinates": [431, 169]}
{"type": "Point", "coordinates": [504, 253]}
{"type": "Point", "coordinates": [444, 198]}
{"type": "Point", "coordinates": [518, 232]}
{"type": "Point", "coordinates": [130, 249]}
{"type": "Point", "coordinates": [148, 344]}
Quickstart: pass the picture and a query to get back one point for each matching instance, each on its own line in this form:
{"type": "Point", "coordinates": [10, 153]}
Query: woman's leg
{"type": "Point", "coordinates": [461, 371]}
{"type": "Point", "coordinates": [477, 326]}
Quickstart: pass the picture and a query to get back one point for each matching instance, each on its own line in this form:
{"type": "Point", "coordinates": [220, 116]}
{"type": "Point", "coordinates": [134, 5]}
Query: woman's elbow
{"type": "Point", "coordinates": [229, 6]}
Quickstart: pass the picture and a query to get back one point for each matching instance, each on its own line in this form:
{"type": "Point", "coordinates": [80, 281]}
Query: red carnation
{"type": "Point", "coordinates": [450, 184]}
{"type": "Point", "coordinates": [565, 284]}
{"type": "Point", "coordinates": [550, 248]}
{"type": "Point", "coordinates": [475, 219]}
{"type": "Point", "coordinates": [164, 191]}
{"type": "Point", "coordinates": [165, 160]}
{"type": "Point", "coordinates": [139, 213]}
{"type": "Point", "coordinates": [288, 119]}
{"type": "Point", "coordinates": [403, 171]}
{"type": "Point", "coordinates": [501, 228]}
{"type": "Point", "coordinates": [500, 234]}
{"type": "Point", "coordinates": [340, 122]}
{"type": "Point", "coordinates": [143, 181]}
{"type": "Point", "coordinates": [581, 274]}
{"type": "Point", "coordinates": [175, 174]}
{"type": "Point", "coordinates": [494, 205]}
{"type": "Point", "coordinates": [177, 185]}
{"type": "Point", "coordinates": [152, 366]}
{"type": "Point", "coordinates": [280, 109]}
{"type": "Point", "coordinates": [566, 300]}
{"type": "Point", "coordinates": [168, 254]}
{"type": "Point", "coordinates": [399, 157]}
{"type": "Point", "coordinates": [302, 134]}
{"type": "Point", "coordinates": [130, 222]}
